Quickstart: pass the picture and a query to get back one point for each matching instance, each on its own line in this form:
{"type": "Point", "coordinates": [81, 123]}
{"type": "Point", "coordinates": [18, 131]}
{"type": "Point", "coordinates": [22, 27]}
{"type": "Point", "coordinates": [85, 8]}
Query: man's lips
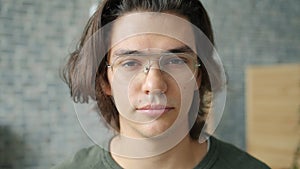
{"type": "Point", "coordinates": [155, 107]}
{"type": "Point", "coordinates": [154, 110]}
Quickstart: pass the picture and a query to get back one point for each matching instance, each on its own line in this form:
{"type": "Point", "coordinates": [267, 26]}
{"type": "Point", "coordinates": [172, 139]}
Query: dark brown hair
{"type": "Point", "coordinates": [85, 85]}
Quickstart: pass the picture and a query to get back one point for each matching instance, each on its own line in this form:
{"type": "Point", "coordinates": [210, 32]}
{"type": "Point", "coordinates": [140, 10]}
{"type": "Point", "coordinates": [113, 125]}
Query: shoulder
{"type": "Point", "coordinates": [234, 157]}
{"type": "Point", "coordinates": [84, 158]}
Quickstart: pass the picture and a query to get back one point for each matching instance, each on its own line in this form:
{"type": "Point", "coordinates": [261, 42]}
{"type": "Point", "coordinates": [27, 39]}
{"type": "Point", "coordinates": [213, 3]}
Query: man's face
{"type": "Point", "coordinates": [149, 90]}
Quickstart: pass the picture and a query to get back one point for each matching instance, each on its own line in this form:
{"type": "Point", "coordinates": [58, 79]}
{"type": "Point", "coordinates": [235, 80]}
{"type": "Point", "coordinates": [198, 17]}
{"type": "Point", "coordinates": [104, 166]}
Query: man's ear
{"type": "Point", "coordinates": [198, 80]}
{"type": "Point", "coordinates": [106, 88]}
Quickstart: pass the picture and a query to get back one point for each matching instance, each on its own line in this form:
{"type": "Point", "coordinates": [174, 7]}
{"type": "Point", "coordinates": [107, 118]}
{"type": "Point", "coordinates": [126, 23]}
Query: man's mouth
{"type": "Point", "coordinates": [154, 110]}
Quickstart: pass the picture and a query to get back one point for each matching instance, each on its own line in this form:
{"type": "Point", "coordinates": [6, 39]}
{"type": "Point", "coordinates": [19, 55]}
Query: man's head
{"type": "Point", "coordinates": [103, 83]}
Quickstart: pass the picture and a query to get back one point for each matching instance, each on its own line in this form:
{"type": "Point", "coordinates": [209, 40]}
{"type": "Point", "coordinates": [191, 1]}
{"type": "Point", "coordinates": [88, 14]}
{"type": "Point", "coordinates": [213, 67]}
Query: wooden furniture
{"type": "Point", "coordinates": [273, 113]}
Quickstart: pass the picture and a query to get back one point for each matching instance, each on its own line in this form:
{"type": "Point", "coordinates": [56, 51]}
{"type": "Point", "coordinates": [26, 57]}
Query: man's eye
{"type": "Point", "coordinates": [176, 61]}
{"type": "Point", "coordinates": [130, 64]}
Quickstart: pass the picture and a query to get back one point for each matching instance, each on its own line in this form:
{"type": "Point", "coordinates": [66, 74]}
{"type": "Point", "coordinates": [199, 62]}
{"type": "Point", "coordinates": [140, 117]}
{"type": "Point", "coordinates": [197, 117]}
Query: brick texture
{"type": "Point", "coordinates": [257, 32]}
{"type": "Point", "coordinates": [38, 126]}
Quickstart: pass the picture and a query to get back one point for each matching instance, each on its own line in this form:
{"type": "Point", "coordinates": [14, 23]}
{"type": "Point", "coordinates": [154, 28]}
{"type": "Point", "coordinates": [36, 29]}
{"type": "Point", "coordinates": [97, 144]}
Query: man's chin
{"type": "Point", "coordinates": [150, 131]}
{"type": "Point", "coordinates": [156, 129]}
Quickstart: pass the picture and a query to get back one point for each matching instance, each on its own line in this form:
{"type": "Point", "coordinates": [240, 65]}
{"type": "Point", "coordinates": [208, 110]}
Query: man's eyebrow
{"type": "Point", "coordinates": [128, 52]}
{"type": "Point", "coordinates": [181, 49]}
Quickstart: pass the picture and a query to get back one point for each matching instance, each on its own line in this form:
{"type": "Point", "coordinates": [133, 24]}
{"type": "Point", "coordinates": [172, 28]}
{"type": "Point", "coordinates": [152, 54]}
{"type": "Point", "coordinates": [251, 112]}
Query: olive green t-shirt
{"type": "Point", "coordinates": [221, 155]}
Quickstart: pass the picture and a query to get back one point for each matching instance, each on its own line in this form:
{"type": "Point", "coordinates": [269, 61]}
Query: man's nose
{"type": "Point", "coordinates": [154, 81]}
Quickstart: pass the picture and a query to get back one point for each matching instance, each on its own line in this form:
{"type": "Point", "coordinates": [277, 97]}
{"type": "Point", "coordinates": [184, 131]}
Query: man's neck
{"type": "Point", "coordinates": [186, 154]}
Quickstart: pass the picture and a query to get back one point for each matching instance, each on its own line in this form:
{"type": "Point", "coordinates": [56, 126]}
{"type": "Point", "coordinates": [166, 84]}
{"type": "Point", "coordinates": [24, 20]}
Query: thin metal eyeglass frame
{"type": "Point", "coordinates": [111, 65]}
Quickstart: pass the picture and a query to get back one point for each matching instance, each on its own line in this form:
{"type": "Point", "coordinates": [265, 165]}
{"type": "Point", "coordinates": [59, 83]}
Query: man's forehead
{"type": "Point", "coordinates": [179, 49]}
{"type": "Point", "coordinates": [166, 25]}
{"type": "Point", "coordinates": [149, 42]}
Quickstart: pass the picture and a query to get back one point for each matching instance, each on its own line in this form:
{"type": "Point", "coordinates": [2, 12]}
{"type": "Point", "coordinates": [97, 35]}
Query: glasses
{"type": "Point", "coordinates": [180, 66]}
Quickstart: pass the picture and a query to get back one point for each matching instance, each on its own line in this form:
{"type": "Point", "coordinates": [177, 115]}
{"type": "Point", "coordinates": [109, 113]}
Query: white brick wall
{"type": "Point", "coordinates": [251, 32]}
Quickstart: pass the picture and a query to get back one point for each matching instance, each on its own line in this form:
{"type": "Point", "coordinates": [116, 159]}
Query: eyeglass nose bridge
{"type": "Point", "coordinates": [150, 64]}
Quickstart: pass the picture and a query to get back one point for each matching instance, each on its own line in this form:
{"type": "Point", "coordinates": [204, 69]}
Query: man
{"type": "Point", "coordinates": [151, 69]}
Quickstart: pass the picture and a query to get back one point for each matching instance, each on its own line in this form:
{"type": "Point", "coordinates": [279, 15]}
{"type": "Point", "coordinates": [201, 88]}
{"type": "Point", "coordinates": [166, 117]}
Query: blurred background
{"type": "Point", "coordinates": [38, 125]}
